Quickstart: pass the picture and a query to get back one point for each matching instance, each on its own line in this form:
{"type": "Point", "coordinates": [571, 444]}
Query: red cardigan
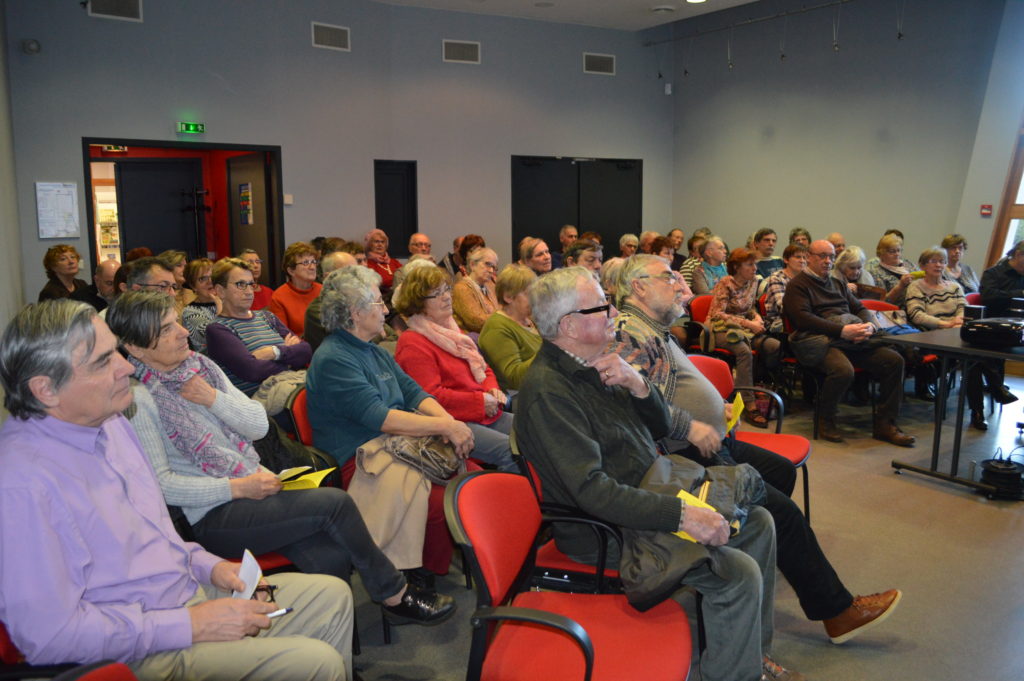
{"type": "Point", "coordinates": [446, 377]}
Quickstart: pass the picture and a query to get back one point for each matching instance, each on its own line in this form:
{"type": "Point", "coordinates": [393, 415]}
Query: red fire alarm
{"type": "Point", "coordinates": [986, 210]}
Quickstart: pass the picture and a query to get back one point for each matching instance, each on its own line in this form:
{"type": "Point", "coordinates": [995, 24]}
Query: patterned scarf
{"type": "Point", "coordinates": [189, 435]}
{"type": "Point", "coordinates": [450, 339]}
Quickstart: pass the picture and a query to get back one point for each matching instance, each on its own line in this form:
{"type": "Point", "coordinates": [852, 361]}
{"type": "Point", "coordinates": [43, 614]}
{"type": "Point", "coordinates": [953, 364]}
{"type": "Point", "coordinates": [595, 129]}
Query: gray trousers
{"type": "Point", "coordinates": [739, 600]}
{"type": "Point", "coordinates": [313, 643]}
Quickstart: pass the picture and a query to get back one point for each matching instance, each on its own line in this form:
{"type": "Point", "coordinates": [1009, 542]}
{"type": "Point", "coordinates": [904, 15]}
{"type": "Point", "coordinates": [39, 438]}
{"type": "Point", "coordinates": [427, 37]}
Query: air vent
{"type": "Point", "coordinates": [331, 37]}
{"type": "Point", "coordinates": [461, 51]}
{"type": "Point", "coordinates": [124, 10]}
{"type": "Point", "coordinates": [603, 64]}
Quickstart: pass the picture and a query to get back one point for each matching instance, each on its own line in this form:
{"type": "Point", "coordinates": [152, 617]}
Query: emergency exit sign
{"type": "Point", "coordinates": [191, 128]}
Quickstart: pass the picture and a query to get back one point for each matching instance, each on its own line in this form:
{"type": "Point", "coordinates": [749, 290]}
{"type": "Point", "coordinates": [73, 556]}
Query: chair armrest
{"type": "Point", "coordinates": [602, 531]}
{"type": "Point", "coordinates": [544, 618]}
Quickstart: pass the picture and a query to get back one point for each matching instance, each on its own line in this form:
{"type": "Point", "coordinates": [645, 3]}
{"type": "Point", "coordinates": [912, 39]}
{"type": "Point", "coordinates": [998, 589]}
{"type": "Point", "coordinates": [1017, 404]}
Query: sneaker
{"type": "Point", "coordinates": [773, 671]}
{"type": "Point", "coordinates": [866, 612]}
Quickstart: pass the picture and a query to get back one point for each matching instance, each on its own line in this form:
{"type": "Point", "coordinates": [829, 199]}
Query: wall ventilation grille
{"type": "Point", "coordinates": [603, 64]}
{"type": "Point", "coordinates": [461, 51]}
{"type": "Point", "coordinates": [124, 10]}
{"type": "Point", "coordinates": [331, 37]}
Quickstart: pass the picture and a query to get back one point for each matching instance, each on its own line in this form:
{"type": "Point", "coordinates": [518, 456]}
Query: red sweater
{"type": "Point", "coordinates": [261, 298]}
{"type": "Point", "coordinates": [289, 304]}
{"type": "Point", "coordinates": [446, 377]}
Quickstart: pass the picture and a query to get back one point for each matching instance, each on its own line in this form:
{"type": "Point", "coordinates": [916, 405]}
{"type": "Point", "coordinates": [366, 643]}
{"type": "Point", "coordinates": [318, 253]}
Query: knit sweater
{"type": "Point", "coordinates": [810, 300]}
{"type": "Point", "coordinates": [470, 306]}
{"type": "Point", "coordinates": [231, 341]}
{"type": "Point", "coordinates": [927, 308]}
{"type": "Point", "coordinates": [508, 348]}
{"type": "Point", "coordinates": [196, 317]}
{"type": "Point", "coordinates": [182, 483]}
{"type": "Point", "coordinates": [290, 303]}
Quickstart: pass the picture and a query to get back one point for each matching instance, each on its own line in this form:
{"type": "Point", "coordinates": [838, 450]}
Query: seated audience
{"type": "Point", "coordinates": [764, 241]}
{"type": "Point", "coordinates": [355, 250]}
{"type": "Point", "coordinates": [356, 392]}
{"type": "Point", "coordinates": [400, 274]}
{"type": "Point", "coordinates": [697, 431]}
{"type": "Point", "coordinates": [795, 257]}
{"type": "Point", "coordinates": [375, 243]}
{"type": "Point", "coordinates": [891, 270]}
{"type": "Point", "coordinates": [534, 253]}
{"type": "Point", "coordinates": [198, 314]}
{"type": "Point", "coordinates": [832, 334]}
{"type": "Point", "coordinates": [473, 298]}
{"type": "Point", "coordinates": [628, 244]}
{"type": "Point", "coordinates": [62, 263]}
{"type": "Point", "coordinates": [849, 271]}
{"type": "Point", "coordinates": [838, 242]}
{"type": "Point", "coordinates": [589, 423]}
{"type": "Point", "coordinates": [694, 260]}
{"type": "Point", "coordinates": [290, 299]}
{"type": "Point", "coordinates": [419, 244]}
{"type": "Point", "coordinates": [566, 236]}
{"type": "Point", "coordinates": [935, 302]}
{"type": "Point", "coordinates": [262, 295]}
{"type": "Point", "coordinates": [609, 276]}
{"type": "Point", "coordinates": [662, 247]}
{"type": "Point", "coordinates": [739, 328]}
{"type": "Point", "coordinates": [103, 288]}
{"type": "Point", "coordinates": [198, 431]}
{"type": "Point", "coordinates": [1003, 282]}
{"type": "Point", "coordinates": [138, 252]}
{"type": "Point", "coordinates": [591, 236]}
{"type": "Point", "coordinates": [675, 237]}
{"type": "Point", "coordinates": [799, 235]}
{"type": "Point", "coordinates": [712, 268]}
{"type": "Point", "coordinates": [451, 262]}
{"type": "Point", "coordinates": [100, 572]}
{"type": "Point", "coordinates": [313, 331]}
{"type": "Point", "coordinates": [647, 238]}
{"type": "Point", "coordinates": [509, 340]}
{"type": "Point", "coordinates": [149, 273]}
{"type": "Point", "coordinates": [584, 253]}
{"type": "Point", "coordinates": [956, 269]}
{"type": "Point", "coordinates": [176, 261]}
{"type": "Point", "coordinates": [249, 346]}
{"type": "Point", "coordinates": [445, 362]}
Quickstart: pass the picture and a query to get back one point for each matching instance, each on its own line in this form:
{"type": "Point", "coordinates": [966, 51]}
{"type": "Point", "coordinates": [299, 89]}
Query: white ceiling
{"type": "Point", "coordinates": [625, 15]}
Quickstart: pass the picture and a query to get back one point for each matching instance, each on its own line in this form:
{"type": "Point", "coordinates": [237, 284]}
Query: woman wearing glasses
{"type": "Point", "coordinates": [291, 298]}
{"type": "Point", "coordinates": [446, 363]}
{"type": "Point", "coordinates": [249, 346]}
{"type": "Point", "coordinates": [198, 314]}
{"type": "Point", "coordinates": [473, 297]}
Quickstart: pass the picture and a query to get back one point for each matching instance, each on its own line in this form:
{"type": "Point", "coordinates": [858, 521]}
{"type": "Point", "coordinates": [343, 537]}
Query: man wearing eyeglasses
{"type": "Point", "coordinates": [652, 300]}
{"type": "Point", "coordinates": [832, 334]}
{"type": "Point", "coordinates": [148, 273]}
{"type": "Point", "coordinates": [588, 421]}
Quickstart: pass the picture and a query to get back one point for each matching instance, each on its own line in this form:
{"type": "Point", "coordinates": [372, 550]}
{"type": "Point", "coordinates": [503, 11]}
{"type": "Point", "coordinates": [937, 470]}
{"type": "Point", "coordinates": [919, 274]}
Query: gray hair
{"type": "Point", "coordinates": [629, 239]}
{"type": "Point", "coordinates": [137, 271]}
{"type": "Point", "coordinates": [851, 255]}
{"type": "Point", "coordinates": [553, 296]}
{"type": "Point", "coordinates": [135, 317]}
{"type": "Point", "coordinates": [610, 269]}
{"type": "Point", "coordinates": [711, 239]}
{"type": "Point", "coordinates": [633, 269]}
{"type": "Point", "coordinates": [41, 341]}
{"type": "Point", "coordinates": [346, 291]}
{"type": "Point", "coordinates": [933, 252]}
{"type": "Point", "coordinates": [478, 254]}
{"type": "Point", "coordinates": [336, 260]}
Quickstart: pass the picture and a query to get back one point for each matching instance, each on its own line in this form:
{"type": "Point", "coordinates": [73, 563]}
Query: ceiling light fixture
{"type": "Point", "coordinates": [663, 9]}
{"type": "Point", "coordinates": [694, 2]}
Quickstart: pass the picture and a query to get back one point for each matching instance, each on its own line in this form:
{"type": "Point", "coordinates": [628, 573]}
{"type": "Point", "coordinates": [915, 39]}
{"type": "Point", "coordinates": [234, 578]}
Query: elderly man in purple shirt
{"type": "Point", "coordinates": [91, 566]}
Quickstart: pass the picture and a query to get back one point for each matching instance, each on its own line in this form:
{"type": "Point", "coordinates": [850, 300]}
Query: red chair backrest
{"type": "Point", "coordinates": [879, 305]}
{"type": "Point", "coordinates": [762, 305]}
{"type": "Point", "coordinates": [300, 413]}
{"type": "Point", "coordinates": [973, 298]}
{"type": "Point", "coordinates": [497, 515]}
{"type": "Point", "coordinates": [715, 370]}
{"type": "Point", "coordinates": [115, 671]}
{"type": "Point", "coordinates": [699, 308]}
{"type": "Point", "coordinates": [9, 653]}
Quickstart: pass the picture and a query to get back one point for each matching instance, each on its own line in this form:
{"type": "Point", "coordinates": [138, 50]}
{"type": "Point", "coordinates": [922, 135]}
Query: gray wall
{"type": "Point", "coordinates": [10, 254]}
{"type": "Point", "coordinates": [247, 70]}
{"type": "Point", "coordinates": [879, 134]}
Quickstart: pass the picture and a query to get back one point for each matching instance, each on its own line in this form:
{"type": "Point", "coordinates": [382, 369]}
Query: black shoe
{"type": "Point", "coordinates": [421, 577]}
{"type": "Point", "coordinates": [924, 391]}
{"type": "Point", "coordinates": [978, 421]}
{"type": "Point", "coordinates": [420, 606]}
{"type": "Point", "coordinates": [1002, 395]}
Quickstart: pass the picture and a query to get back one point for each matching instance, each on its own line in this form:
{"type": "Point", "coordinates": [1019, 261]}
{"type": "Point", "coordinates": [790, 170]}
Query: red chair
{"type": "Point", "coordinates": [973, 299]}
{"type": "Point", "coordinates": [883, 306]}
{"type": "Point", "coordinates": [795, 448]}
{"type": "Point", "coordinates": [13, 666]}
{"type": "Point", "coordinates": [99, 671]}
{"type": "Point", "coordinates": [527, 635]}
{"type": "Point", "coordinates": [300, 415]}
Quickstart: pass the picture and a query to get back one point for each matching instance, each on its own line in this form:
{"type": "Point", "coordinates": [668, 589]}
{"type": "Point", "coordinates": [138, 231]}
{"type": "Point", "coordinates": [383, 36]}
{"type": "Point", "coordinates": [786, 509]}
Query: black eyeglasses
{"type": "Point", "coordinates": [163, 286]}
{"type": "Point", "coordinates": [244, 285]}
{"type": "Point", "coordinates": [269, 589]}
{"type": "Point", "coordinates": [592, 310]}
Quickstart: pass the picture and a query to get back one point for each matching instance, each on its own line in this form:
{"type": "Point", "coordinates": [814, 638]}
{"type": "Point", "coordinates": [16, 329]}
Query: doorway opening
{"type": "Point", "coordinates": [394, 187]}
{"type": "Point", "coordinates": [209, 200]}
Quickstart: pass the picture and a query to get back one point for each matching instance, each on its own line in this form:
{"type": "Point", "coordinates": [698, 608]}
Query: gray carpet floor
{"type": "Point", "coordinates": [954, 553]}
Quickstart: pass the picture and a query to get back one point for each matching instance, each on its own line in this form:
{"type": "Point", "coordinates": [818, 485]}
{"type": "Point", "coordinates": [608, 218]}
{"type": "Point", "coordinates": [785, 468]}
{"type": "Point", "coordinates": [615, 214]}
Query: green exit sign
{"type": "Point", "coordinates": [191, 128]}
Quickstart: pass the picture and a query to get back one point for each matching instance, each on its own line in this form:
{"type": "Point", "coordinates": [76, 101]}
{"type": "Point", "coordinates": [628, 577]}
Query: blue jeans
{"type": "Point", "coordinates": [491, 443]}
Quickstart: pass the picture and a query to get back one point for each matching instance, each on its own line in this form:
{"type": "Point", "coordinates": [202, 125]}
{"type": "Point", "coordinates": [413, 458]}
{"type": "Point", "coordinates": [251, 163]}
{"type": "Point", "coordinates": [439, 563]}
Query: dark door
{"type": "Point", "coordinates": [600, 195]}
{"type": "Point", "coordinates": [252, 216]}
{"type": "Point", "coordinates": [394, 186]}
{"type": "Point", "coordinates": [161, 205]}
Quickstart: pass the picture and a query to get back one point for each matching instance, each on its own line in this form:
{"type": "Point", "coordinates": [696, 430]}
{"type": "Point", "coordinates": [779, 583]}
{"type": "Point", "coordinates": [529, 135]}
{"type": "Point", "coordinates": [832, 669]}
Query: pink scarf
{"type": "Point", "coordinates": [451, 339]}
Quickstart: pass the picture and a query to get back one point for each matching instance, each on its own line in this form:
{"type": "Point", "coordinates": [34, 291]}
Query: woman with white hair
{"type": "Point", "coordinates": [849, 270]}
{"type": "Point", "coordinates": [473, 297]}
{"type": "Point", "coordinates": [628, 243]}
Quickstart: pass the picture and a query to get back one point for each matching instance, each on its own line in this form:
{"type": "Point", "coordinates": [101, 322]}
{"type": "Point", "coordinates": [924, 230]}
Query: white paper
{"type": "Point", "coordinates": [250, 573]}
{"type": "Point", "coordinates": [57, 209]}
{"type": "Point", "coordinates": [291, 472]}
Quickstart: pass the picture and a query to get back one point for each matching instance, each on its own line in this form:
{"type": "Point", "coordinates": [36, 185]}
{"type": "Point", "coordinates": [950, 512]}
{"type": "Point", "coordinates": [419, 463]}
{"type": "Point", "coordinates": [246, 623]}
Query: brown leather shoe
{"type": "Point", "coordinates": [828, 430]}
{"type": "Point", "coordinates": [890, 432]}
{"type": "Point", "coordinates": [866, 612]}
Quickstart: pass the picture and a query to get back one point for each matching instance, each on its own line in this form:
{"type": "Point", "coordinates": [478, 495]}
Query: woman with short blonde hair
{"type": "Point", "coordinates": [509, 340]}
